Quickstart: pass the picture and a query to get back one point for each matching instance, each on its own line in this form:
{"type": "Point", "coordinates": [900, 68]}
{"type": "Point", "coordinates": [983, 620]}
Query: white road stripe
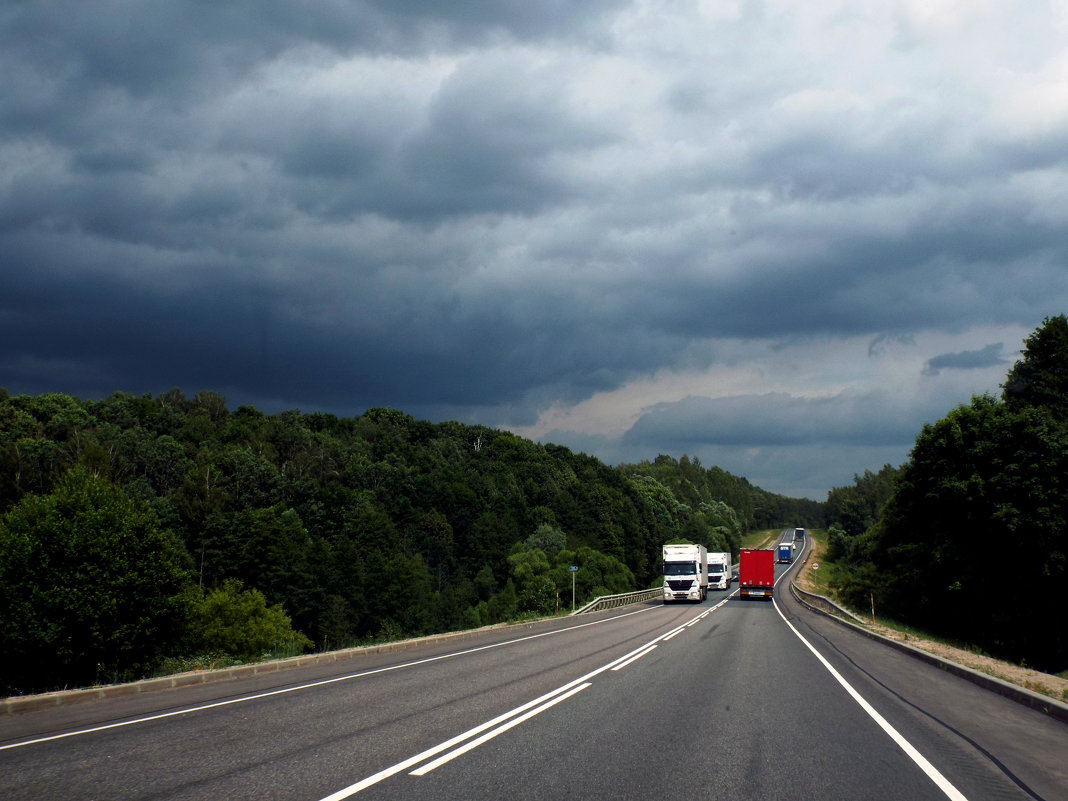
{"type": "Point", "coordinates": [932, 772]}
{"type": "Point", "coordinates": [306, 686]}
{"type": "Point", "coordinates": [463, 749]}
{"type": "Point", "coordinates": [363, 784]}
{"type": "Point", "coordinates": [635, 658]}
{"type": "Point", "coordinates": [561, 692]}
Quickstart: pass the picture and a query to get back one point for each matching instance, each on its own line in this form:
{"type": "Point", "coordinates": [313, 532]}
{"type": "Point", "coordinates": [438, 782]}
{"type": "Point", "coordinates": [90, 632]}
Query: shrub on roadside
{"type": "Point", "coordinates": [238, 622]}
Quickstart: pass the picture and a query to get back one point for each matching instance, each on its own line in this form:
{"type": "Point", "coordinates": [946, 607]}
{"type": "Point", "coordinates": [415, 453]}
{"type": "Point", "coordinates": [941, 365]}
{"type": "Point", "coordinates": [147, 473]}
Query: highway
{"type": "Point", "coordinates": [728, 698]}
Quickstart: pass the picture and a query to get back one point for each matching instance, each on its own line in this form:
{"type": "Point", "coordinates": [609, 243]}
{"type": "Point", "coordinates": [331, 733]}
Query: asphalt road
{"type": "Point", "coordinates": [721, 699]}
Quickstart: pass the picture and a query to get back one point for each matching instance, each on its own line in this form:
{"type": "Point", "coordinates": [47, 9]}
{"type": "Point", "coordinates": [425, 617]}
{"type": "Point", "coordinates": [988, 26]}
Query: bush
{"type": "Point", "coordinates": [539, 596]}
{"type": "Point", "coordinates": [92, 587]}
{"type": "Point", "coordinates": [238, 622]}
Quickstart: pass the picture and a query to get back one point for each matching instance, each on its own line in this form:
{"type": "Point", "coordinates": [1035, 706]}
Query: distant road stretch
{"type": "Point", "coordinates": [725, 699]}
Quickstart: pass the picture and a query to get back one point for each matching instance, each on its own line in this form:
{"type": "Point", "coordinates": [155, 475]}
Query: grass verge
{"type": "Point", "coordinates": [821, 578]}
{"type": "Point", "coordinates": [765, 538]}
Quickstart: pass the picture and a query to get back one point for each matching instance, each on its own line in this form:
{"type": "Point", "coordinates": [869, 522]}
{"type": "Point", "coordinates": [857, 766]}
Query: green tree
{"type": "Point", "coordinates": [983, 494]}
{"type": "Point", "coordinates": [1040, 378]}
{"type": "Point", "coordinates": [598, 574]}
{"type": "Point", "coordinates": [92, 587]}
{"type": "Point", "coordinates": [527, 566]}
{"type": "Point", "coordinates": [239, 622]}
{"type": "Point", "coordinates": [539, 596]}
{"type": "Point", "coordinates": [549, 539]}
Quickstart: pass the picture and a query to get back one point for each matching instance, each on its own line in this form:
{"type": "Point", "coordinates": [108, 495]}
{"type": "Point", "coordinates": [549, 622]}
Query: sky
{"type": "Point", "coordinates": [777, 237]}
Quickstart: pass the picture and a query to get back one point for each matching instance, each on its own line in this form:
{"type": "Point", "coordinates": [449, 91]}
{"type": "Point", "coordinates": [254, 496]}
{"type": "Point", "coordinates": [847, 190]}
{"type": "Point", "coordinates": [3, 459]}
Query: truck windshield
{"type": "Point", "coordinates": [715, 568]}
{"type": "Point", "coordinates": [679, 568]}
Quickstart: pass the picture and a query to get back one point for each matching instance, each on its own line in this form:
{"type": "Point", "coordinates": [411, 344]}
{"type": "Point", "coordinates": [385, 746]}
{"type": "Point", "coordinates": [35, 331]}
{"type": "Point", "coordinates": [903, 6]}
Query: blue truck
{"type": "Point", "coordinates": [786, 552]}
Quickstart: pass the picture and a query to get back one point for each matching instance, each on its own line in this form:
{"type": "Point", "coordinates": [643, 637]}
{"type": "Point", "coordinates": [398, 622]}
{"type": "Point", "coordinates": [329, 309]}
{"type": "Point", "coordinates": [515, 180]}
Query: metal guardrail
{"type": "Point", "coordinates": [622, 599]}
{"type": "Point", "coordinates": [822, 602]}
{"type": "Point", "coordinates": [638, 597]}
{"type": "Point", "coordinates": [1043, 703]}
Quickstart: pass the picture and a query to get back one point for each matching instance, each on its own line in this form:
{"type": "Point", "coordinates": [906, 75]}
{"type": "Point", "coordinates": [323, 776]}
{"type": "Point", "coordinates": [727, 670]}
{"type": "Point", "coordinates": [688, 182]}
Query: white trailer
{"type": "Point", "coordinates": [685, 573]}
{"type": "Point", "coordinates": [719, 571]}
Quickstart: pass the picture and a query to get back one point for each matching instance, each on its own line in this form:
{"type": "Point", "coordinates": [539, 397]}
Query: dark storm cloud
{"type": "Point", "coordinates": [148, 46]}
{"type": "Point", "coordinates": [989, 356]}
{"type": "Point", "coordinates": [795, 444]}
{"type": "Point", "coordinates": [775, 419]}
{"type": "Point", "coordinates": [484, 211]}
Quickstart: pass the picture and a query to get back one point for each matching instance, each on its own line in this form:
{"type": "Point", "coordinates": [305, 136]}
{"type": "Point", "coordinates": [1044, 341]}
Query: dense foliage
{"type": "Point", "coordinates": [973, 542]}
{"type": "Point", "coordinates": [89, 585]}
{"type": "Point", "coordinates": [243, 532]}
{"type": "Point", "coordinates": [712, 500]}
{"type": "Point", "coordinates": [855, 509]}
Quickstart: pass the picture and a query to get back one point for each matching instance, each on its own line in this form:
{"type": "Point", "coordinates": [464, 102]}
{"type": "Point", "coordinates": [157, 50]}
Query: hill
{"type": "Point", "coordinates": [376, 526]}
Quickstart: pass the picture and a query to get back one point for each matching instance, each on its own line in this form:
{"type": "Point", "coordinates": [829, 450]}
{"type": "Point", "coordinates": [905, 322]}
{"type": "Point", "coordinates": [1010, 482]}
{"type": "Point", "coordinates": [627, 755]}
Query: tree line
{"type": "Point", "coordinates": [969, 538]}
{"type": "Point", "coordinates": [137, 529]}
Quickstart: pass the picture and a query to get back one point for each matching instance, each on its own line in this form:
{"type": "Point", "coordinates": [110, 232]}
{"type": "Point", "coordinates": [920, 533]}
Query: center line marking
{"type": "Point", "coordinates": [463, 749]}
{"type": "Point", "coordinates": [637, 656]}
{"type": "Point", "coordinates": [562, 692]}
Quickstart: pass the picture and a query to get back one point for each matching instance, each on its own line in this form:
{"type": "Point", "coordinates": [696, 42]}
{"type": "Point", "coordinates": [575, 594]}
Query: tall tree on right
{"type": "Point", "coordinates": [974, 540]}
{"type": "Point", "coordinates": [1040, 379]}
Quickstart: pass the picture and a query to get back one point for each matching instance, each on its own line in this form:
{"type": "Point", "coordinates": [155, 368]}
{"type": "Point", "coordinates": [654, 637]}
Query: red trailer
{"type": "Point", "coordinates": [756, 573]}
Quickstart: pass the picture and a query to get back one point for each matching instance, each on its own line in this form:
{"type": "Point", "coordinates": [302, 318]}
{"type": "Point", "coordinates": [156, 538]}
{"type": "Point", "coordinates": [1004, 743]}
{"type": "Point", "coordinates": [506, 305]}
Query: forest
{"type": "Point", "coordinates": [969, 538]}
{"type": "Point", "coordinates": [141, 534]}
{"type": "Point", "coordinates": [140, 530]}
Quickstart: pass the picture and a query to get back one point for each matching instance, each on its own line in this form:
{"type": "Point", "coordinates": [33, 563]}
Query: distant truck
{"type": "Point", "coordinates": [719, 571]}
{"type": "Point", "coordinates": [799, 533]}
{"type": "Point", "coordinates": [786, 552]}
{"type": "Point", "coordinates": [756, 573]}
{"type": "Point", "coordinates": [685, 573]}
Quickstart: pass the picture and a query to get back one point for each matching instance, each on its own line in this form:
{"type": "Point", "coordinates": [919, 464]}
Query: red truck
{"type": "Point", "coordinates": [756, 573]}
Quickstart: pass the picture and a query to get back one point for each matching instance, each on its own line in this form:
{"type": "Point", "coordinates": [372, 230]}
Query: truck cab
{"type": "Point", "coordinates": [685, 573]}
{"type": "Point", "coordinates": [719, 571]}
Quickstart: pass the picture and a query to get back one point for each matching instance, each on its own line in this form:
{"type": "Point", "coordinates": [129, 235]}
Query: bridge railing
{"type": "Point", "coordinates": [638, 597]}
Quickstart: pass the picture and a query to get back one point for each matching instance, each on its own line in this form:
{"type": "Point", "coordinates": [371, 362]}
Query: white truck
{"type": "Point", "coordinates": [685, 573]}
{"type": "Point", "coordinates": [719, 571]}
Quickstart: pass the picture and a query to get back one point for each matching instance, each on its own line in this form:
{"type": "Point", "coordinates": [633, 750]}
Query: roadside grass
{"type": "Point", "coordinates": [816, 575]}
{"type": "Point", "coordinates": [188, 664]}
{"type": "Point", "coordinates": [764, 538]}
{"type": "Point", "coordinates": [822, 578]}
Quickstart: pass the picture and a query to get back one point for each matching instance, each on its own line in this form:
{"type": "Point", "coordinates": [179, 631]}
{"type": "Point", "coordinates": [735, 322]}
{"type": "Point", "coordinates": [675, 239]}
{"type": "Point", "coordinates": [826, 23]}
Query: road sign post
{"type": "Point", "coordinates": [573, 570]}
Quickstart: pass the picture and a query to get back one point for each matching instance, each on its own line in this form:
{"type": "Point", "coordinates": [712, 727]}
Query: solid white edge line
{"type": "Point", "coordinates": [932, 772]}
{"type": "Point", "coordinates": [468, 746]}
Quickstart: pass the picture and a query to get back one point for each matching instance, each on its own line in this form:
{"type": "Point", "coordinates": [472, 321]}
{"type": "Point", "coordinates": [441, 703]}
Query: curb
{"type": "Point", "coordinates": [1042, 703]}
{"type": "Point", "coordinates": [28, 703]}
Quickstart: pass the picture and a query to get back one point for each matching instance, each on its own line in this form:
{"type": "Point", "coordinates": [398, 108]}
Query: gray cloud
{"type": "Point", "coordinates": [989, 356]}
{"type": "Point", "coordinates": [487, 212]}
{"type": "Point", "coordinates": [775, 419]}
